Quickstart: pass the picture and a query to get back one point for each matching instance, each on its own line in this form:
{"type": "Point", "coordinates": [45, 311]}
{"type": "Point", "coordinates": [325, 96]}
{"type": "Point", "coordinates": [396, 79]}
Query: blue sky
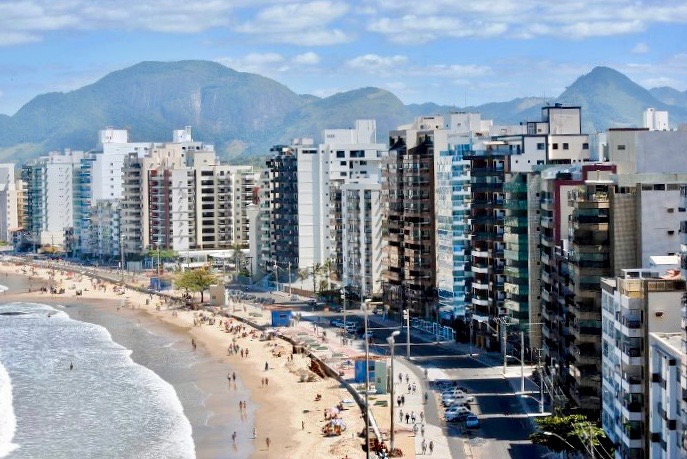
{"type": "Point", "coordinates": [444, 51]}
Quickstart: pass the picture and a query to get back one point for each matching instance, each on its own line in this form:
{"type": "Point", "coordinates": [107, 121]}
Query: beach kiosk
{"type": "Point", "coordinates": [281, 318]}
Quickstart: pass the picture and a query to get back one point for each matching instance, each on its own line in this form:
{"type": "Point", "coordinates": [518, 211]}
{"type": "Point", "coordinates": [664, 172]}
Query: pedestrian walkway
{"type": "Point", "coordinates": [339, 354]}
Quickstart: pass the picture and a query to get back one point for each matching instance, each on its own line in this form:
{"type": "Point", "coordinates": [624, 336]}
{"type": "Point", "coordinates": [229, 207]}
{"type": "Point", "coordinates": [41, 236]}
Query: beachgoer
{"type": "Point", "coordinates": [400, 378]}
{"type": "Point", "coordinates": [267, 366]}
{"type": "Point", "coordinates": [193, 343]}
{"type": "Point", "coordinates": [407, 378]}
{"type": "Point", "coordinates": [302, 425]}
{"type": "Point", "coordinates": [431, 447]}
{"type": "Point", "coordinates": [426, 373]}
{"type": "Point", "coordinates": [407, 418]}
{"type": "Point", "coordinates": [400, 415]}
{"type": "Point", "coordinates": [71, 365]}
{"type": "Point", "coordinates": [233, 376]}
{"type": "Point", "coordinates": [255, 432]}
{"type": "Point", "coordinates": [267, 442]}
{"type": "Point", "coordinates": [233, 437]}
{"type": "Point", "coordinates": [403, 400]}
{"type": "Point", "coordinates": [424, 446]}
{"type": "Point", "coordinates": [267, 382]}
{"type": "Point", "coordinates": [422, 430]}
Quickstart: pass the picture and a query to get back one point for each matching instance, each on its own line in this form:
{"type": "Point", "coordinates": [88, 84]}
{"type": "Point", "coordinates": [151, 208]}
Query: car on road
{"type": "Point", "coordinates": [472, 422]}
{"type": "Point", "coordinates": [453, 392]}
{"type": "Point", "coordinates": [336, 323]}
{"type": "Point", "coordinates": [455, 409]}
{"type": "Point", "coordinates": [458, 417]}
{"type": "Point", "coordinates": [456, 400]}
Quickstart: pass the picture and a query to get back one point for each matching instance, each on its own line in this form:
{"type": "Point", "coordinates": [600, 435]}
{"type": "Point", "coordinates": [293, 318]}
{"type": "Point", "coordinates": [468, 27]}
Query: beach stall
{"type": "Point", "coordinates": [281, 318]}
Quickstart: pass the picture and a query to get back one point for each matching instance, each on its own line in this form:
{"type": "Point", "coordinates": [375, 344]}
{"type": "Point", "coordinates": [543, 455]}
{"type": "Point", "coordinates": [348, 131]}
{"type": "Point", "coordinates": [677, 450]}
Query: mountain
{"type": "Point", "coordinates": [244, 114]}
{"type": "Point", "coordinates": [610, 99]}
{"type": "Point", "coordinates": [670, 96]}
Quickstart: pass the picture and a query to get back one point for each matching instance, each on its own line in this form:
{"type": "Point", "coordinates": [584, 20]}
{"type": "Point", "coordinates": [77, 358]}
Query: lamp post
{"type": "Point", "coordinates": [392, 342]}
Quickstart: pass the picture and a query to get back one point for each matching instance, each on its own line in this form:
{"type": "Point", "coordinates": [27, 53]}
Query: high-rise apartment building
{"type": "Point", "coordinates": [634, 306]}
{"type": "Point", "coordinates": [279, 209]}
{"type": "Point", "coordinates": [49, 209]}
{"type": "Point", "coordinates": [409, 186]}
{"type": "Point", "coordinates": [9, 199]}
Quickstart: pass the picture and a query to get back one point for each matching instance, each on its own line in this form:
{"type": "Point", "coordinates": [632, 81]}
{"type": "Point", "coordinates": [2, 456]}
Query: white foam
{"type": "Point", "coordinates": [8, 422]}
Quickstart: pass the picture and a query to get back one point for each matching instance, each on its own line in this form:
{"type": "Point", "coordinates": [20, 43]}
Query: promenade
{"type": "Point", "coordinates": [448, 441]}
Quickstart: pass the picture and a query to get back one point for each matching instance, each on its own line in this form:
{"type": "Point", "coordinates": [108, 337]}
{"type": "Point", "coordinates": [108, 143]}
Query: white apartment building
{"type": "Point", "coordinates": [347, 156]}
{"type": "Point", "coordinates": [314, 245]}
{"type": "Point", "coordinates": [361, 208]}
{"type": "Point", "coordinates": [656, 120]}
{"type": "Point", "coordinates": [50, 201]}
{"type": "Point", "coordinates": [179, 196]}
{"type": "Point", "coordinates": [635, 305]}
{"type": "Point", "coordinates": [640, 151]}
{"type": "Point", "coordinates": [9, 218]}
{"type": "Point", "coordinates": [665, 395]}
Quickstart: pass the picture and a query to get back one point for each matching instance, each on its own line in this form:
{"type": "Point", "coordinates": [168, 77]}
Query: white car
{"type": "Point", "coordinates": [457, 400]}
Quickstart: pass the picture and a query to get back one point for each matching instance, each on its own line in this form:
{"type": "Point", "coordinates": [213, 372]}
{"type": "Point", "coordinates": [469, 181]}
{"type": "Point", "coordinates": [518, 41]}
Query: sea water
{"type": "Point", "coordinates": [107, 406]}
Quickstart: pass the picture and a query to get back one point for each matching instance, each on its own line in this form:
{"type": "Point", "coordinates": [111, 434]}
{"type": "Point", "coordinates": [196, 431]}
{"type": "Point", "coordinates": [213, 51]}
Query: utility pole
{"type": "Point", "coordinates": [522, 362]}
{"type": "Point", "coordinates": [406, 316]}
{"type": "Point", "coordinates": [367, 384]}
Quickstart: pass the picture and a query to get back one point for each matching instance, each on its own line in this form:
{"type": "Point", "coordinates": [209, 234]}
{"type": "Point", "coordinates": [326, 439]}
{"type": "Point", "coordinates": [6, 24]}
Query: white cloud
{"type": "Point", "coordinates": [263, 64]}
{"type": "Point", "coordinates": [309, 58]}
{"type": "Point", "coordinates": [377, 65]}
{"type": "Point", "coordinates": [640, 48]}
{"type": "Point", "coordinates": [307, 24]}
{"type": "Point", "coordinates": [436, 19]}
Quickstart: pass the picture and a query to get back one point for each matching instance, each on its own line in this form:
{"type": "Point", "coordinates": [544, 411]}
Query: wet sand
{"type": "Point", "coordinates": [285, 411]}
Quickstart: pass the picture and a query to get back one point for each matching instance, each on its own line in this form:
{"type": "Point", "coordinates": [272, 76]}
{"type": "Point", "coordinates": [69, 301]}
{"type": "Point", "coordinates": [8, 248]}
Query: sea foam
{"type": "Point", "coordinates": [8, 422]}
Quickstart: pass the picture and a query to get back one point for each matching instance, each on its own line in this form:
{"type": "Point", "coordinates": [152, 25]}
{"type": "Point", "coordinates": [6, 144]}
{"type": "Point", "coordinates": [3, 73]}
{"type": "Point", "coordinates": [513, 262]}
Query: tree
{"type": "Point", "coordinates": [238, 255]}
{"type": "Point", "coordinates": [328, 267]}
{"type": "Point", "coordinates": [316, 271]}
{"type": "Point", "coordinates": [303, 274]}
{"type": "Point", "coordinates": [569, 433]}
{"type": "Point", "coordinates": [196, 280]}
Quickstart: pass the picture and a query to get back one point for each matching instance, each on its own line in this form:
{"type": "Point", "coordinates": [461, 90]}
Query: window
{"type": "Point", "coordinates": [621, 147]}
{"type": "Point", "coordinates": [343, 163]}
{"type": "Point", "coordinates": [541, 146]}
{"type": "Point", "coordinates": [554, 146]}
{"type": "Point", "coordinates": [566, 146]}
{"type": "Point", "coordinates": [671, 210]}
{"type": "Point", "coordinates": [340, 154]}
{"type": "Point", "coordinates": [585, 146]}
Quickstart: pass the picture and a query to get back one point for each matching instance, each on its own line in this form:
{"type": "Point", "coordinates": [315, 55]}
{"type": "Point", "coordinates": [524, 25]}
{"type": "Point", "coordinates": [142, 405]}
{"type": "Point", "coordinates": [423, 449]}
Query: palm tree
{"type": "Point", "coordinates": [303, 274]}
{"type": "Point", "coordinates": [316, 271]}
{"type": "Point", "coordinates": [238, 255]}
{"type": "Point", "coordinates": [328, 266]}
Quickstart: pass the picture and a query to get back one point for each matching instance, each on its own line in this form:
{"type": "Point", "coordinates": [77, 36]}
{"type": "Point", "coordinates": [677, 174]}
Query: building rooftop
{"type": "Point", "coordinates": [671, 340]}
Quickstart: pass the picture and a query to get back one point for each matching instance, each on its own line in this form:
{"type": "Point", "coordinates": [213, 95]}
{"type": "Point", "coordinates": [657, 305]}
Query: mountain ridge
{"type": "Point", "coordinates": [244, 114]}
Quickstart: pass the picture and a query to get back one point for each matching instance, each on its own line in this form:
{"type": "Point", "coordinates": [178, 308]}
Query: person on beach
{"type": "Point", "coordinates": [233, 376]}
{"type": "Point", "coordinates": [424, 446]}
{"type": "Point", "coordinates": [233, 437]}
{"type": "Point", "coordinates": [71, 365]}
{"type": "Point", "coordinates": [302, 425]}
{"type": "Point", "coordinates": [267, 442]}
{"type": "Point", "coordinates": [431, 447]}
{"type": "Point", "coordinates": [267, 366]}
{"type": "Point", "coordinates": [255, 432]}
{"type": "Point", "coordinates": [193, 343]}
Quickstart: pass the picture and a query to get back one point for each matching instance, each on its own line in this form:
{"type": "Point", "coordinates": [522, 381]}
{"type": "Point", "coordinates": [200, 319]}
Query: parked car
{"type": "Point", "coordinates": [458, 417]}
{"type": "Point", "coordinates": [457, 400]}
{"type": "Point", "coordinates": [336, 323]}
{"type": "Point", "coordinates": [455, 409]}
{"type": "Point", "coordinates": [453, 392]}
{"type": "Point", "coordinates": [472, 422]}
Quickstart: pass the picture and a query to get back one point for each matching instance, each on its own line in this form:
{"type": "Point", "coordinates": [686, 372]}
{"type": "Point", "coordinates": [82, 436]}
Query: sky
{"type": "Point", "coordinates": [452, 52]}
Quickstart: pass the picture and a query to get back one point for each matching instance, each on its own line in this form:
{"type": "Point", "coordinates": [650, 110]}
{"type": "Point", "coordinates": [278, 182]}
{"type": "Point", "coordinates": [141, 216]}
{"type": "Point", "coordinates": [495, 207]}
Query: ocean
{"type": "Point", "coordinates": [136, 389]}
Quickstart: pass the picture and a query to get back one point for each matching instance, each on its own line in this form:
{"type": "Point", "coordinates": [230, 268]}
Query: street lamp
{"type": "Point", "coordinates": [367, 381]}
{"type": "Point", "coordinates": [392, 342]}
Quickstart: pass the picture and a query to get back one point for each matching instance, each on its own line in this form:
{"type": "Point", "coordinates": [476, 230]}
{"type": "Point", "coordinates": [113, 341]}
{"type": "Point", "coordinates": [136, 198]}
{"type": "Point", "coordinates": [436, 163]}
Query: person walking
{"type": "Point", "coordinates": [267, 442]}
{"type": "Point", "coordinates": [424, 446]}
{"type": "Point", "coordinates": [267, 366]}
{"type": "Point", "coordinates": [431, 447]}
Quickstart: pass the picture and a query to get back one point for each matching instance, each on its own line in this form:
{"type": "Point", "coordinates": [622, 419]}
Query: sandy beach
{"type": "Point", "coordinates": [285, 409]}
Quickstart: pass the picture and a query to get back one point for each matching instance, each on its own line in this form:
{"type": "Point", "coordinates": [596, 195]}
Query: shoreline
{"type": "Point", "coordinates": [285, 410]}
